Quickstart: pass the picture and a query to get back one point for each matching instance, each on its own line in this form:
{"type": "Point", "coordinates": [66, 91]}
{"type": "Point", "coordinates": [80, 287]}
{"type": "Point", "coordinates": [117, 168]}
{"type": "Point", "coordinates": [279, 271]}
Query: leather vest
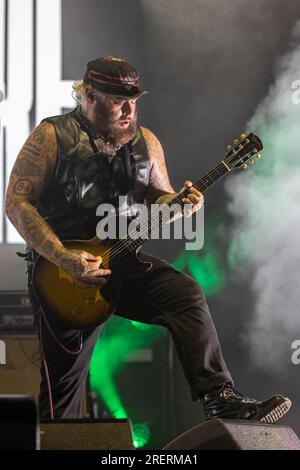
{"type": "Point", "coordinates": [84, 178]}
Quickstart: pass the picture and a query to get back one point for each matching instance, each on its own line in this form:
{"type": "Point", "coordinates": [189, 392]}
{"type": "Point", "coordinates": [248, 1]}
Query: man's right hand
{"type": "Point", "coordinates": [84, 268]}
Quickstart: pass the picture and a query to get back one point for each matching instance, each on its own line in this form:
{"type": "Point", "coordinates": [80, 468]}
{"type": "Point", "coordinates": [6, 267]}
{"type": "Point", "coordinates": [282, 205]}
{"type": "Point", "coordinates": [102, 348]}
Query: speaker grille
{"type": "Point", "coordinates": [86, 434]}
{"type": "Point", "coordinates": [217, 434]}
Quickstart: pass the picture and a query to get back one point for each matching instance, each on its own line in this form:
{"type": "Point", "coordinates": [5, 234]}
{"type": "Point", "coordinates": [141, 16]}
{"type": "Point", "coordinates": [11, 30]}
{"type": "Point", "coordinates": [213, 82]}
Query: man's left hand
{"type": "Point", "coordinates": [194, 199]}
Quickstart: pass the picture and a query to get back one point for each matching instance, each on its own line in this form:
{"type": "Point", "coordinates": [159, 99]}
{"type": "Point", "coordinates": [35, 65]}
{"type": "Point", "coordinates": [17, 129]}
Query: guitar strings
{"type": "Point", "coordinates": [130, 243]}
{"type": "Point", "coordinates": [126, 245]}
{"type": "Point", "coordinates": [123, 246]}
{"type": "Point", "coordinates": [198, 184]}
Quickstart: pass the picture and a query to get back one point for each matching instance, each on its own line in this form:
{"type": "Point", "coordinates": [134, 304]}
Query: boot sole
{"type": "Point", "coordinates": [276, 413]}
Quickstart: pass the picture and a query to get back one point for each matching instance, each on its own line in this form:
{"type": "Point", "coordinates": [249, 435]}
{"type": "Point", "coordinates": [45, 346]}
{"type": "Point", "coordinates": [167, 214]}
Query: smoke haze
{"type": "Point", "coordinates": [265, 250]}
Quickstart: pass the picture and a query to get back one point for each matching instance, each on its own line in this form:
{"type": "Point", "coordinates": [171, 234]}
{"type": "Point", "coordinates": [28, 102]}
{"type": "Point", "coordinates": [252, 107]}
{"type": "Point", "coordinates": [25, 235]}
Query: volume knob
{"type": "Point", "coordinates": [76, 312]}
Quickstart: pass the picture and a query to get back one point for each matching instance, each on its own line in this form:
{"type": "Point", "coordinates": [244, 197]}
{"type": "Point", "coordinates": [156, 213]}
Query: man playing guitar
{"type": "Point", "coordinates": [68, 166]}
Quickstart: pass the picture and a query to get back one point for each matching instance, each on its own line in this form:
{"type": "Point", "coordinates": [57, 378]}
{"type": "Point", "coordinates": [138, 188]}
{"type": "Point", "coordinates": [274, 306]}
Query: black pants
{"type": "Point", "coordinates": [163, 296]}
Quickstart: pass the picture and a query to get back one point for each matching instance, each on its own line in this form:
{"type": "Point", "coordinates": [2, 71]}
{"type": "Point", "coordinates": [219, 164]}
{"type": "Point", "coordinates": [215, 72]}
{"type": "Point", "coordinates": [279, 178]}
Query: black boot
{"type": "Point", "coordinates": [227, 403]}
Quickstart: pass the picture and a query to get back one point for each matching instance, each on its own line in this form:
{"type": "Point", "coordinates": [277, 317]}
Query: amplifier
{"type": "Point", "coordinates": [86, 434]}
{"type": "Point", "coordinates": [19, 364]}
{"type": "Point", "coordinates": [15, 311]}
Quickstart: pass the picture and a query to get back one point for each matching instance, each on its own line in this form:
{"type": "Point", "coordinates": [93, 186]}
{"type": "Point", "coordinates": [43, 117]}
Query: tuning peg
{"type": "Point", "coordinates": [258, 156]}
{"type": "Point", "coordinates": [243, 136]}
{"type": "Point", "coordinates": [229, 147]}
{"type": "Point", "coordinates": [251, 161]}
{"type": "Point", "coordinates": [244, 166]}
{"type": "Point", "coordinates": [236, 141]}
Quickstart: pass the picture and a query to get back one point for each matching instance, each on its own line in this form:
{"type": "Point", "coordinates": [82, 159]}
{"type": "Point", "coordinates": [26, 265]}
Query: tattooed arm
{"type": "Point", "coordinates": [32, 170]}
{"type": "Point", "coordinates": [160, 190]}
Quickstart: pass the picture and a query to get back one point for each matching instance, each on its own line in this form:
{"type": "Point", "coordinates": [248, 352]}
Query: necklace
{"type": "Point", "coordinates": [106, 146]}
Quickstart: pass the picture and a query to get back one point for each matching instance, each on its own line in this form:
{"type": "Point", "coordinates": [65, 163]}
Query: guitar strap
{"type": "Point", "coordinates": [129, 174]}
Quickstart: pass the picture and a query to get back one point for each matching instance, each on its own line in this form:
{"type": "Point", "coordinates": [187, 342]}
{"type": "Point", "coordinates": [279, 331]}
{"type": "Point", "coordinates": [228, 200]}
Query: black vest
{"type": "Point", "coordinates": [84, 179]}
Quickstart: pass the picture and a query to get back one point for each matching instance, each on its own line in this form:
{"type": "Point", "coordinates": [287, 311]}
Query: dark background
{"type": "Point", "coordinates": [207, 64]}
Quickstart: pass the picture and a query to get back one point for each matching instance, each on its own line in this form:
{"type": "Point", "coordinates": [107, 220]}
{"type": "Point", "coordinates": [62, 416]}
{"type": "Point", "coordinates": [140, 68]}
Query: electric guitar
{"type": "Point", "coordinates": [83, 308]}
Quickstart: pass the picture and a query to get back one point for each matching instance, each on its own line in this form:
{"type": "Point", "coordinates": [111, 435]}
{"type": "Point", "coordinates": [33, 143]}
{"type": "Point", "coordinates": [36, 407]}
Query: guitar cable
{"type": "Point", "coordinates": [42, 315]}
{"type": "Point", "coordinates": [46, 367]}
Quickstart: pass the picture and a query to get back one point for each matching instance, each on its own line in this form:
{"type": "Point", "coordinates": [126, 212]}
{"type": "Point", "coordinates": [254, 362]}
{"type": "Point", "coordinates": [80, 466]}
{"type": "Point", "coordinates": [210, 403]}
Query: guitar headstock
{"type": "Point", "coordinates": [242, 151]}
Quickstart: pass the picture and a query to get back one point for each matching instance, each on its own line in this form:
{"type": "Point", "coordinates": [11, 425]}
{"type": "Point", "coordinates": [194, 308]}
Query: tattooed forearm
{"type": "Point", "coordinates": [35, 231]}
{"type": "Point", "coordinates": [48, 247]}
{"type": "Point", "coordinates": [32, 225]}
{"type": "Point", "coordinates": [52, 249]}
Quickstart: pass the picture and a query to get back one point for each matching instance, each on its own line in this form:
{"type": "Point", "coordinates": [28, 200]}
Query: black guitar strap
{"type": "Point", "coordinates": [129, 173]}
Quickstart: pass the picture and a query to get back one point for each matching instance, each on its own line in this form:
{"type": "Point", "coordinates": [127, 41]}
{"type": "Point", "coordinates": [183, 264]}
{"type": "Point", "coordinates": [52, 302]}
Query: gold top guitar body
{"type": "Point", "coordinates": [77, 307]}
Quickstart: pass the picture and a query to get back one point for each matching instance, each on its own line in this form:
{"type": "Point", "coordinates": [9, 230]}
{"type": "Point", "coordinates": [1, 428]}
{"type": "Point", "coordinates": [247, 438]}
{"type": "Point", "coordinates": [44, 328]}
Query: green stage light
{"type": "Point", "coordinates": [120, 340]}
{"type": "Point", "coordinates": [141, 326]}
{"type": "Point", "coordinates": [141, 435]}
{"type": "Point", "coordinates": [208, 265]}
{"type": "Point", "coordinates": [208, 271]}
{"type": "Point", "coordinates": [101, 380]}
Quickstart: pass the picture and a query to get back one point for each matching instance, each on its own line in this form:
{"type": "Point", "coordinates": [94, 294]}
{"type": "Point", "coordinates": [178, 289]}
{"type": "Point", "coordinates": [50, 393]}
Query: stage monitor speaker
{"type": "Point", "coordinates": [20, 364]}
{"type": "Point", "coordinates": [19, 428]}
{"type": "Point", "coordinates": [217, 434]}
{"type": "Point", "coordinates": [86, 434]}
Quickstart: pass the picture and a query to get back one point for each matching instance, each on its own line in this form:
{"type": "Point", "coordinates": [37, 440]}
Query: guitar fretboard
{"type": "Point", "coordinates": [147, 229]}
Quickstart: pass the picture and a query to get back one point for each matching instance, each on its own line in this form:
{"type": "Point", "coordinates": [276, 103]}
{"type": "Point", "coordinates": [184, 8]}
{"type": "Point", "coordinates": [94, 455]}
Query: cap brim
{"type": "Point", "coordinates": [137, 95]}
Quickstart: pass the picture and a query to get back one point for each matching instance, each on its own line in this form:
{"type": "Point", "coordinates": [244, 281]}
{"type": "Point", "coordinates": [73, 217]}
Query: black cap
{"type": "Point", "coordinates": [114, 76]}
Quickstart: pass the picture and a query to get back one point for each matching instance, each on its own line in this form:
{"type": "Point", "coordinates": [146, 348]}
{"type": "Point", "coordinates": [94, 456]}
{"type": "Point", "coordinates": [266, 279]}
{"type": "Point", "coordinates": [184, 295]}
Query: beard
{"type": "Point", "coordinates": [109, 126]}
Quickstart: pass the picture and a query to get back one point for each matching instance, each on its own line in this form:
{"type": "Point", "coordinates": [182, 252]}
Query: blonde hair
{"type": "Point", "coordinates": [79, 91]}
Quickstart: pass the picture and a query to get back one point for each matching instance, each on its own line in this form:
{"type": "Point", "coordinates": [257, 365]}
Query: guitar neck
{"type": "Point", "coordinates": [201, 185]}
